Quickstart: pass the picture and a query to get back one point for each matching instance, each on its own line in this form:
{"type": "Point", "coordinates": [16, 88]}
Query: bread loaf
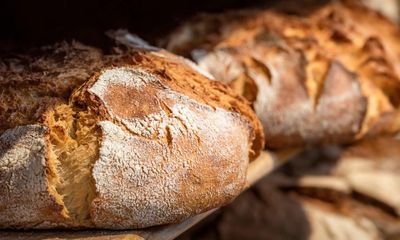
{"type": "Point", "coordinates": [330, 74]}
{"type": "Point", "coordinates": [125, 140]}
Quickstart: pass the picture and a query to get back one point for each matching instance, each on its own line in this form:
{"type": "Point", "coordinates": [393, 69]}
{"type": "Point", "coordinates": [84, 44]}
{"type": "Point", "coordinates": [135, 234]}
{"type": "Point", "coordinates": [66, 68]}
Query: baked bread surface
{"type": "Point", "coordinates": [125, 140]}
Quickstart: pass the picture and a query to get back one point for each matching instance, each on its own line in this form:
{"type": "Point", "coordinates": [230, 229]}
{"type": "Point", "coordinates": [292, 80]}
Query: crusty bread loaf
{"type": "Point", "coordinates": [117, 141]}
{"type": "Point", "coordinates": [327, 75]}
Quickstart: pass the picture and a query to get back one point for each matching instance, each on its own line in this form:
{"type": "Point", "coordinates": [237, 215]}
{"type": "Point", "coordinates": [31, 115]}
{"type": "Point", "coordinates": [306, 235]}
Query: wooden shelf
{"type": "Point", "coordinates": [259, 168]}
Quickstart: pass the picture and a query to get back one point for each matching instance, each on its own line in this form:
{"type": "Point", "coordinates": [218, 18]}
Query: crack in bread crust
{"type": "Point", "coordinates": [74, 140]}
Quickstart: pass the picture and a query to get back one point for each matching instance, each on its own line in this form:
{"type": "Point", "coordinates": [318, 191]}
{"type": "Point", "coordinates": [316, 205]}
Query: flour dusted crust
{"type": "Point", "coordinates": [330, 74]}
{"type": "Point", "coordinates": [25, 198]}
{"type": "Point", "coordinates": [171, 188]}
{"type": "Point", "coordinates": [169, 73]}
{"type": "Point", "coordinates": [146, 140]}
{"type": "Point", "coordinates": [163, 149]}
{"type": "Point", "coordinates": [162, 154]}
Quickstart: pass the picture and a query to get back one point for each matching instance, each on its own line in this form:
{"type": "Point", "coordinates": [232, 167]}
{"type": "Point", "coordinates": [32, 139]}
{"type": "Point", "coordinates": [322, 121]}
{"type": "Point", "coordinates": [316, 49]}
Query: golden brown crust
{"type": "Point", "coordinates": [287, 63]}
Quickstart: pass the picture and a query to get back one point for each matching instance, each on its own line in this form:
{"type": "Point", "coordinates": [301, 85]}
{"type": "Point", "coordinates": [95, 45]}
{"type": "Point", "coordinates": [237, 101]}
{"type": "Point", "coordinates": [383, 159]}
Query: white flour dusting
{"type": "Point", "coordinates": [169, 165]}
{"type": "Point", "coordinates": [122, 76]}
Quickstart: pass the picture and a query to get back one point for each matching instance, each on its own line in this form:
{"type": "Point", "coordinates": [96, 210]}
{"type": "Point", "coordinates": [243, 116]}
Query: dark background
{"type": "Point", "coordinates": [34, 23]}
{"type": "Point", "coordinates": [28, 23]}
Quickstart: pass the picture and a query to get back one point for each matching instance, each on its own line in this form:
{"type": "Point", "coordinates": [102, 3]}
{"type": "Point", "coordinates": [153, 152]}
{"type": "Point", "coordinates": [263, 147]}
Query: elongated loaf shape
{"type": "Point", "coordinates": [117, 141]}
{"type": "Point", "coordinates": [326, 74]}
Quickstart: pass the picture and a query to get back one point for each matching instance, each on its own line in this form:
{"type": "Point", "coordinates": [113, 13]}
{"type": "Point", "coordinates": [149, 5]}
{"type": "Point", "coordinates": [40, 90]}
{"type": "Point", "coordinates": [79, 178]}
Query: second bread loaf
{"type": "Point", "coordinates": [323, 74]}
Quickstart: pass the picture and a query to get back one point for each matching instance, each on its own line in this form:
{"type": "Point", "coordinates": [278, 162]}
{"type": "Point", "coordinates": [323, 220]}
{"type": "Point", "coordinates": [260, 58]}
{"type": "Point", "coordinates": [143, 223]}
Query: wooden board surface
{"type": "Point", "coordinates": [260, 167]}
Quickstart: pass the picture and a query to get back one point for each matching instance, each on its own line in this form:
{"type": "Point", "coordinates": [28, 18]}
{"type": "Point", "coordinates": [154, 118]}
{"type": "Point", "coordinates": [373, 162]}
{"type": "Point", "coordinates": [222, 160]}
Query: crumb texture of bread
{"type": "Point", "coordinates": [326, 75]}
{"type": "Point", "coordinates": [134, 140]}
{"type": "Point", "coordinates": [74, 140]}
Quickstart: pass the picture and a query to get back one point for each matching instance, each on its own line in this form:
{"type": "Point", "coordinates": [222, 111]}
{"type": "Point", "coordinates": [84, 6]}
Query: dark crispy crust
{"type": "Point", "coordinates": [32, 83]}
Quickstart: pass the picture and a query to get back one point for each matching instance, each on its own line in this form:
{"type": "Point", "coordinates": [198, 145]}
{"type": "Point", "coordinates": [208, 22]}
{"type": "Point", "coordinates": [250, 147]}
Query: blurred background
{"type": "Point", "coordinates": [329, 192]}
{"type": "Point", "coordinates": [36, 23]}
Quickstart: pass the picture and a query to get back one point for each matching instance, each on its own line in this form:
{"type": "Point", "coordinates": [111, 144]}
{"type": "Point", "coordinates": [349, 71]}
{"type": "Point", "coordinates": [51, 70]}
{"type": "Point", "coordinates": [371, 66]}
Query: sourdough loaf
{"type": "Point", "coordinates": [330, 74]}
{"type": "Point", "coordinates": [117, 141]}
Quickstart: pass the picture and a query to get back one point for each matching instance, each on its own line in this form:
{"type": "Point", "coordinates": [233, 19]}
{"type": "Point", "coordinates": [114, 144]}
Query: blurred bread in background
{"type": "Point", "coordinates": [322, 74]}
